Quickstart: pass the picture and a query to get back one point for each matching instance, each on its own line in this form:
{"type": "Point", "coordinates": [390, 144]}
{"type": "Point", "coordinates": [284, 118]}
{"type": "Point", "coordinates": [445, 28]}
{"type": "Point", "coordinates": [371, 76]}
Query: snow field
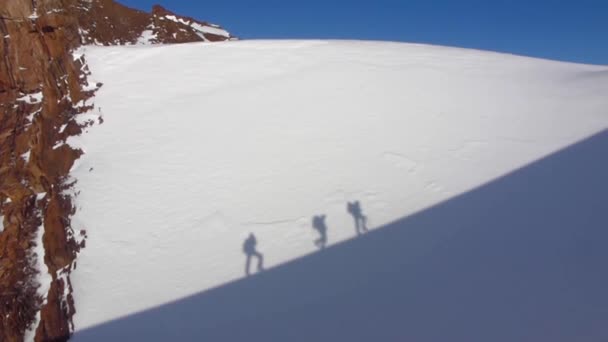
{"type": "Point", "coordinates": [203, 144]}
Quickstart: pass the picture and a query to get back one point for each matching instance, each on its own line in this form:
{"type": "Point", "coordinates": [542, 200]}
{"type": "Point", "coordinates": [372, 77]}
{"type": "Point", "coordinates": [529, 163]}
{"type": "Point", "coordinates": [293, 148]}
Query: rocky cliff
{"type": "Point", "coordinates": [46, 97]}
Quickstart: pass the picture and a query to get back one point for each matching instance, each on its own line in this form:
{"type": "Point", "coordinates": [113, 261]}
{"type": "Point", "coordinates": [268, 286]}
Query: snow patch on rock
{"type": "Point", "coordinates": [43, 279]}
{"type": "Point", "coordinates": [33, 98]}
{"type": "Point", "coordinates": [147, 37]}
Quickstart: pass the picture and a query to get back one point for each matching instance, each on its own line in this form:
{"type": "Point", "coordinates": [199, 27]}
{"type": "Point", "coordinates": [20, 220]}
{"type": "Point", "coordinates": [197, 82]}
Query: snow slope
{"type": "Point", "coordinates": [203, 144]}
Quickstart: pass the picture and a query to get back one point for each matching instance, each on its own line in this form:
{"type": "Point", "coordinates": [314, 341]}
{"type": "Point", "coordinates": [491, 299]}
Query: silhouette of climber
{"type": "Point", "coordinates": [360, 220]}
{"type": "Point", "coordinates": [249, 249]}
{"type": "Point", "coordinates": [318, 223]}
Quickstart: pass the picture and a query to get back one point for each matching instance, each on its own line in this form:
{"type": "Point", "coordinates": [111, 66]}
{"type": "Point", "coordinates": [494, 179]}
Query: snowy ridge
{"type": "Point", "coordinates": [201, 29]}
{"type": "Point", "coordinates": [178, 176]}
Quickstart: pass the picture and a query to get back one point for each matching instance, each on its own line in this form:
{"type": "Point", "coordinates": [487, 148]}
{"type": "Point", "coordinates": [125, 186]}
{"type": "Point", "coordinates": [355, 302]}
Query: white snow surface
{"type": "Point", "coordinates": [203, 144]}
{"type": "Point", "coordinates": [147, 37]}
{"type": "Point", "coordinates": [31, 98]}
{"type": "Point", "coordinates": [210, 29]}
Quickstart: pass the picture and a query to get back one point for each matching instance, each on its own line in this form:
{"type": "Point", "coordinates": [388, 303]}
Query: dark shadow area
{"type": "Point", "coordinates": [48, 29]}
{"type": "Point", "coordinates": [318, 224]}
{"type": "Point", "coordinates": [354, 209]}
{"type": "Point", "coordinates": [249, 247]}
{"type": "Point", "coordinates": [523, 258]}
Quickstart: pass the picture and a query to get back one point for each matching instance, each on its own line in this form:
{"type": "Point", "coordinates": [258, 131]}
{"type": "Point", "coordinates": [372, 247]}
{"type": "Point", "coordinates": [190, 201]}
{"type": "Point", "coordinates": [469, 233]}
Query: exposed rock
{"type": "Point", "coordinates": [166, 26]}
{"type": "Point", "coordinates": [43, 90]}
{"type": "Point", "coordinates": [114, 24]}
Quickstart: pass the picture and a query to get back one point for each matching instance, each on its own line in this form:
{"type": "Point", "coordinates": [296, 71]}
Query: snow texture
{"type": "Point", "coordinates": [518, 259]}
{"type": "Point", "coordinates": [147, 37]}
{"type": "Point", "coordinates": [211, 30]}
{"type": "Point", "coordinates": [62, 128]}
{"type": "Point", "coordinates": [31, 98]}
{"type": "Point", "coordinates": [264, 135]}
{"type": "Point", "coordinates": [26, 156]}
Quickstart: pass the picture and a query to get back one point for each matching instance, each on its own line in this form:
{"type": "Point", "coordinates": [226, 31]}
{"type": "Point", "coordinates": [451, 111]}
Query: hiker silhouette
{"type": "Point", "coordinates": [318, 223]}
{"type": "Point", "coordinates": [354, 209]}
{"type": "Point", "coordinates": [250, 251]}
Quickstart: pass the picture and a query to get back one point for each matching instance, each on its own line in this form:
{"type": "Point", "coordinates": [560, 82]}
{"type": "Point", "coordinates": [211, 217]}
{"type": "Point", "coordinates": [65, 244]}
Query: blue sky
{"type": "Point", "coordinates": [570, 30]}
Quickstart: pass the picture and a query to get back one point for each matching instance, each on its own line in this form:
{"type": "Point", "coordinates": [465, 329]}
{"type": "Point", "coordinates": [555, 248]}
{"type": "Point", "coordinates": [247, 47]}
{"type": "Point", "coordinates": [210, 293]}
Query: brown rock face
{"type": "Point", "coordinates": [43, 89]}
{"type": "Point", "coordinates": [105, 22]}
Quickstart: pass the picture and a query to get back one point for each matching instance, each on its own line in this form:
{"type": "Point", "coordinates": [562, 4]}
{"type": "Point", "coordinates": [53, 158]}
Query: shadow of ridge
{"type": "Point", "coordinates": [522, 258]}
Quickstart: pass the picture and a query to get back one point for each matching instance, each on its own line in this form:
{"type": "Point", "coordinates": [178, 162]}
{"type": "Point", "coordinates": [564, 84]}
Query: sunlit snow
{"type": "Point", "coordinates": [203, 144]}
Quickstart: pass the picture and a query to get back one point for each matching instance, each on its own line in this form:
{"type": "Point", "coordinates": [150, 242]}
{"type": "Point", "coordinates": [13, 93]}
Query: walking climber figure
{"type": "Point", "coordinates": [318, 223]}
{"type": "Point", "coordinates": [250, 251]}
{"type": "Point", "coordinates": [360, 220]}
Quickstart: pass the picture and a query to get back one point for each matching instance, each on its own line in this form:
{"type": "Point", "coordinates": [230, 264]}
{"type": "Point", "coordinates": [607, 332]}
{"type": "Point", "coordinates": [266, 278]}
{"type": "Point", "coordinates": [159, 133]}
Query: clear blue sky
{"type": "Point", "coordinates": [570, 30]}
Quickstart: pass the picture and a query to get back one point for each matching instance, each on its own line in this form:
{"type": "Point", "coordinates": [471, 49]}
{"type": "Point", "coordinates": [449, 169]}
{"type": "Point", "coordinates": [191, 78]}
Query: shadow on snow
{"type": "Point", "coordinates": [523, 258]}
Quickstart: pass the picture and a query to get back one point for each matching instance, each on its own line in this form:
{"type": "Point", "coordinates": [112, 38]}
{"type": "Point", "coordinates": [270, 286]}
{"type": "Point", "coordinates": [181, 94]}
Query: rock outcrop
{"type": "Point", "coordinates": [46, 97]}
{"type": "Point", "coordinates": [105, 22]}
